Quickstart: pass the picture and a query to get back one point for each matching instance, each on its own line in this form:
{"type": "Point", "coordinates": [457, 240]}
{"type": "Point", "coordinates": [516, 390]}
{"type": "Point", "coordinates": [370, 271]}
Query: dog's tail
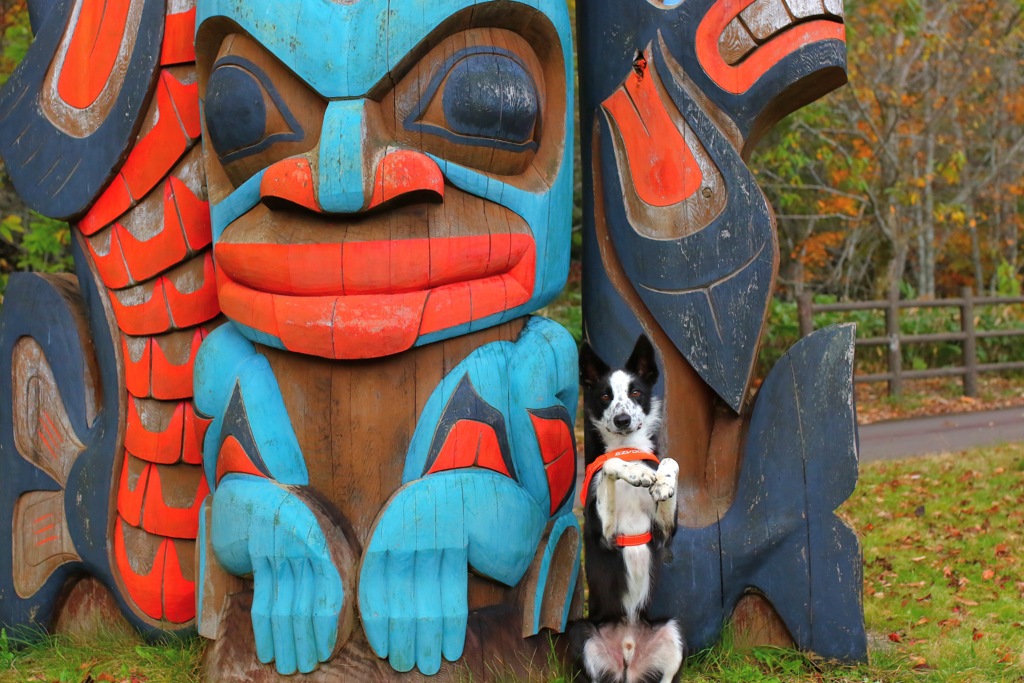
{"type": "Point", "coordinates": [624, 652]}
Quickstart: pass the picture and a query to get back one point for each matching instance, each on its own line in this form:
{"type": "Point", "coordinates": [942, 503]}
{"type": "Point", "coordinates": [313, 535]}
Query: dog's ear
{"type": "Point", "coordinates": [642, 361]}
{"type": "Point", "coordinates": [592, 368]}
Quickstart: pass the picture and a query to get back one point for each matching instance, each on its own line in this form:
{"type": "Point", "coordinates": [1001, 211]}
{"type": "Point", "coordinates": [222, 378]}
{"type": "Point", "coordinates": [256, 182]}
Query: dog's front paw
{"type": "Point", "coordinates": [663, 490]}
{"type": "Point", "coordinates": [664, 486]}
{"type": "Point", "coordinates": [638, 474]}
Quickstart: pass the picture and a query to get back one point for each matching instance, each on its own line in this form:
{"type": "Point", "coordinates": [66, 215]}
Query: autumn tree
{"type": "Point", "coordinates": [912, 172]}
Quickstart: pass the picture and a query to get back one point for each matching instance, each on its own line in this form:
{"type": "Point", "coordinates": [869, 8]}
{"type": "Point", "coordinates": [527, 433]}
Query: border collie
{"type": "Point", "coordinates": [630, 515]}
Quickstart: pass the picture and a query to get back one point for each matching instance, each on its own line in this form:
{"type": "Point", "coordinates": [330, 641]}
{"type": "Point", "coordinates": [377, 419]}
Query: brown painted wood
{"type": "Point", "coordinates": [756, 623]}
{"type": "Point", "coordinates": [88, 609]}
{"type": "Point", "coordinates": [354, 419]}
{"type": "Point", "coordinates": [495, 651]}
{"type": "Point", "coordinates": [692, 411]}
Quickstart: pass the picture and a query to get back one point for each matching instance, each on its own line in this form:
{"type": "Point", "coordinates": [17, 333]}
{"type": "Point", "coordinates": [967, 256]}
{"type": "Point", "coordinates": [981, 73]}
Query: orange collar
{"type": "Point", "coordinates": [627, 454]}
{"type": "Point", "coordinates": [622, 540]}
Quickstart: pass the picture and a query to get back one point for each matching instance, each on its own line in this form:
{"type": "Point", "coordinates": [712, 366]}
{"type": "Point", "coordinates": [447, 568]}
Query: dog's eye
{"type": "Point", "coordinates": [606, 397]}
{"type": "Point", "coordinates": [636, 393]}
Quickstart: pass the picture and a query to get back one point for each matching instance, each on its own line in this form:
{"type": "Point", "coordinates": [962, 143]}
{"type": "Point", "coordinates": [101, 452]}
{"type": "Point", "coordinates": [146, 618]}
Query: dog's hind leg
{"type": "Point", "coordinates": [659, 653]}
{"type": "Point", "coordinates": [663, 491]}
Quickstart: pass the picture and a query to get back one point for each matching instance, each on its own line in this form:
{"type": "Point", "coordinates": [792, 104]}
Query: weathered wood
{"type": "Point", "coordinates": [756, 623]}
{"type": "Point", "coordinates": [680, 243]}
{"type": "Point", "coordinates": [67, 119]}
{"type": "Point", "coordinates": [970, 352]}
{"type": "Point", "coordinates": [968, 337]}
{"type": "Point", "coordinates": [375, 215]}
{"type": "Point", "coordinates": [376, 253]}
{"type": "Point", "coordinates": [892, 329]}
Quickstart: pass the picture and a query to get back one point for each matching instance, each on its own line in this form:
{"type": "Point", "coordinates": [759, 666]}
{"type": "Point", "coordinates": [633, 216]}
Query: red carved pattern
{"type": "Point", "coordinates": [92, 53]}
{"type": "Point", "coordinates": [558, 451]}
{"type": "Point", "coordinates": [160, 284]}
{"type": "Point", "coordinates": [176, 129]}
{"type": "Point", "coordinates": [153, 375]}
{"type": "Point", "coordinates": [165, 307]}
{"type": "Point", "coordinates": [663, 168]}
{"type": "Point", "coordinates": [470, 444]}
{"type": "Point", "coordinates": [741, 77]}
{"type": "Point", "coordinates": [185, 231]}
{"type": "Point", "coordinates": [163, 592]}
{"type": "Point", "coordinates": [233, 459]}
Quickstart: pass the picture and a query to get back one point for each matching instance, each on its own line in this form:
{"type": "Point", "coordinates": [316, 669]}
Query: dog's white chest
{"type": "Point", "coordinates": [634, 511]}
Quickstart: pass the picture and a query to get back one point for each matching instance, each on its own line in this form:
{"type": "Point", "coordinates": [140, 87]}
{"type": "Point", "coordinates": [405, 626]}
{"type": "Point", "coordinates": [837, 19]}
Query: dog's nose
{"type": "Point", "coordinates": [621, 420]}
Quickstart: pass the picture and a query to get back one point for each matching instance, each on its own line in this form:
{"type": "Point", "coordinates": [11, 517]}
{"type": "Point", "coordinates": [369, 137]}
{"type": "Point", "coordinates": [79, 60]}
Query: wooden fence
{"type": "Point", "coordinates": [968, 337]}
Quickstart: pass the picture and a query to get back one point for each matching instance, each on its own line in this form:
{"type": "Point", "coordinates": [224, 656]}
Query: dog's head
{"type": "Point", "coordinates": [619, 402]}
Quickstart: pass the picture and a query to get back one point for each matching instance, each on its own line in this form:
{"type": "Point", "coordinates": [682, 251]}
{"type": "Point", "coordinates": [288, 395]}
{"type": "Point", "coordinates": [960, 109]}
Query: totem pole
{"type": "Point", "coordinates": [294, 398]}
{"type": "Point", "coordinates": [680, 242]}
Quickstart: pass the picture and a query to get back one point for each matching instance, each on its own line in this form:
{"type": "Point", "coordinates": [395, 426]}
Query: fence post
{"type": "Point", "coordinates": [892, 328]}
{"type": "Point", "coordinates": [805, 313]}
{"type": "Point", "coordinates": [969, 347]}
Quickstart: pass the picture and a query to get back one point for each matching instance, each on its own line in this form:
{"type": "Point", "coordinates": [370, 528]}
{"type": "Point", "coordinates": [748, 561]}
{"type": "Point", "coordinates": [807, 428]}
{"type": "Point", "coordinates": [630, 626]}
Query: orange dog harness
{"type": "Point", "coordinates": [628, 454]}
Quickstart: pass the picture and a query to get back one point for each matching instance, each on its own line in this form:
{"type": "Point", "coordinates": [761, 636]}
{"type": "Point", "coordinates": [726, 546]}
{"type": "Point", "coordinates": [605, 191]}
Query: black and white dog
{"type": "Point", "coordinates": [630, 515]}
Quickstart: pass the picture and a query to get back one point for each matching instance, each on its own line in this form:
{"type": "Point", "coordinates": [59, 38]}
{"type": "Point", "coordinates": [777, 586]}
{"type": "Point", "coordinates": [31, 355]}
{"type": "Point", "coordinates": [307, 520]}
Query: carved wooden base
{"type": "Point", "coordinates": [87, 609]}
{"type": "Point", "coordinates": [756, 623]}
{"type": "Point", "coordinates": [495, 651]}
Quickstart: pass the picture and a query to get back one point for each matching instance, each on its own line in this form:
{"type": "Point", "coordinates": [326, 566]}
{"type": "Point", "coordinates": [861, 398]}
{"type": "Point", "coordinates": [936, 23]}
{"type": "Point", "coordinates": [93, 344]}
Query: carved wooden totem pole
{"type": "Point", "coordinates": [680, 242]}
{"type": "Point", "coordinates": [293, 397]}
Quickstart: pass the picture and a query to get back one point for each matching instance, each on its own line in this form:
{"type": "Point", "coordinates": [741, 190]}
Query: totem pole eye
{"type": "Point", "coordinates": [244, 112]}
{"type": "Point", "coordinates": [487, 98]}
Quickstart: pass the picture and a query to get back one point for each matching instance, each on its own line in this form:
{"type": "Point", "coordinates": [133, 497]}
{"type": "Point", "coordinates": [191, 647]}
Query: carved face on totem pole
{"type": "Point", "coordinates": [384, 175]}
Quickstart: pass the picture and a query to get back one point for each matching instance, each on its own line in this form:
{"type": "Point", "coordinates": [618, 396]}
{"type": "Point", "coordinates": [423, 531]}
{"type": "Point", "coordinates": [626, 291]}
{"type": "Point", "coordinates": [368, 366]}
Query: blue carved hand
{"type": "Point", "coordinates": [265, 529]}
{"type": "Point", "coordinates": [413, 582]}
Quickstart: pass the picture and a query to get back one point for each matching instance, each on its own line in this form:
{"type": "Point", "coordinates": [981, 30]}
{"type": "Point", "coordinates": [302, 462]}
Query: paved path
{"type": "Point", "coordinates": [927, 435]}
{"type": "Point", "coordinates": [942, 433]}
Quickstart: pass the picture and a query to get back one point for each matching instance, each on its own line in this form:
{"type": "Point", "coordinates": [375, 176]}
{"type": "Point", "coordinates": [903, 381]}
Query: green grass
{"type": "Point", "coordinates": [117, 656]}
{"type": "Point", "coordinates": [943, 592]}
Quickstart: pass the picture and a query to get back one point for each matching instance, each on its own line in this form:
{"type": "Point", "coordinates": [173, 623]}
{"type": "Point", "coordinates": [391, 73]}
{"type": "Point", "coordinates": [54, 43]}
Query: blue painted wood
{"type": "Point", "coordinates": [781, 536]}
{"type": "Point", "coordinates": [610, 32]}
{"type": "Point", "coordinates": [54, 172]}
{"type": "Point", "coordinates": [349, 48]}
{"type": "Point", "coordinates": [233, 207]}
{"type": "Point", "coordinates": [708, 290]}
{"type": "Point", "coordinates": [343, 187]}
{"type": "Point", "coordinates": [262, 528]}
{"type": "Point", "coordinates": [537, 372]}
{"type": "Point", "coordinates": [236, 113]}
{"type": "Point", "coordinates": [489, 100]}
{"type": "Point", "coordinates": [37, 12]}
{"type": "Point", "coordinates": [235, 387]}
{"type": "Point", "coordinates": [51, 311]}
{"type": "Point", "coordinates": [413, 582]}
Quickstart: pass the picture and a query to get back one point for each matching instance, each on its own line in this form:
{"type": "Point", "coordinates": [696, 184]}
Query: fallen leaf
{"type": "Point", "coordinates": [922, 621]}
{"type": "Point", "coordinates": [895, 637]}
{"type": "Point", "coordinates": [978, 635]}
{"type": "Point", "coordinates": [965, 601]}
{"type": "Point", "coordinates": [988, 575]}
